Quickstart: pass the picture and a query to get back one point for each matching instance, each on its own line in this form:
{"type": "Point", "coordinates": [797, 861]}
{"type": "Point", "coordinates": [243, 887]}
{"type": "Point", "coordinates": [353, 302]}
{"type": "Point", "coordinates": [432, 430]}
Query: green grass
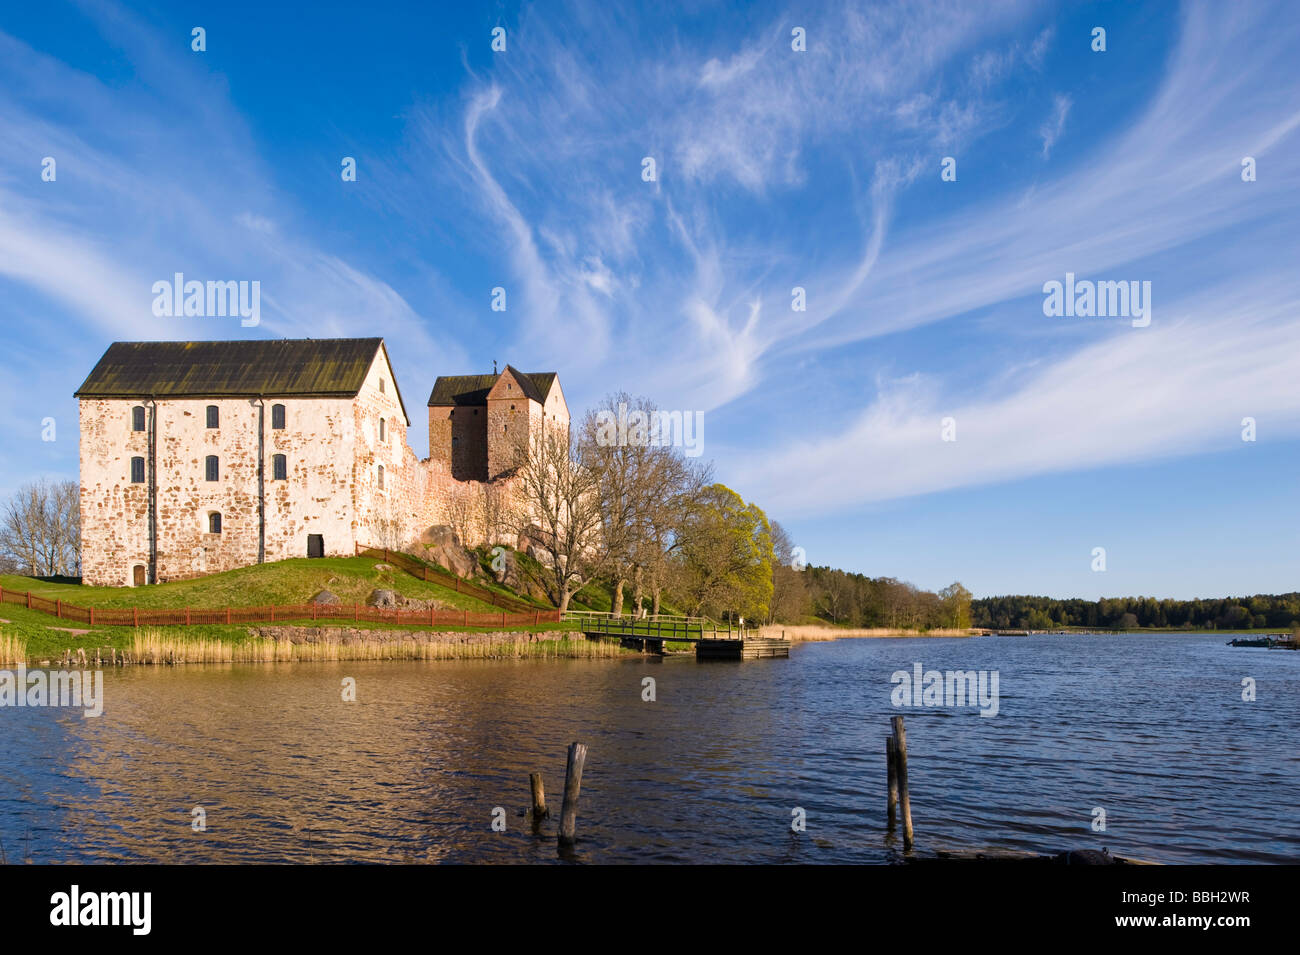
{"type": "Point", "coordinates": [282, 582]}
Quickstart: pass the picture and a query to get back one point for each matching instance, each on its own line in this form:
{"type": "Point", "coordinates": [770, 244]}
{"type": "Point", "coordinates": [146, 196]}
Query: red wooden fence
{"type": "Point", "coordinates": [135, 616]}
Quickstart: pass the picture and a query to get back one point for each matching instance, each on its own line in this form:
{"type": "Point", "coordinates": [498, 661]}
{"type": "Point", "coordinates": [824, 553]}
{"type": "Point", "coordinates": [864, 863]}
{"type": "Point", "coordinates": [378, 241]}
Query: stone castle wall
{"type": "Point", "coordinates": [333, 452]}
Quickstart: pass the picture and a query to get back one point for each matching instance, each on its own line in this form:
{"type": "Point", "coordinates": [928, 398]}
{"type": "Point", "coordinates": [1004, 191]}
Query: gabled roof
{"type": "Point", "coordinates": [270, 368]}
{"type": "Point", "coordinates": [473, 389]}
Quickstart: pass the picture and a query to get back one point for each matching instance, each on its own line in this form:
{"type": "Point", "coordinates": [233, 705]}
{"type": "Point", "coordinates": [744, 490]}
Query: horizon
{"type": "Point", "coordinates": [776, 170]}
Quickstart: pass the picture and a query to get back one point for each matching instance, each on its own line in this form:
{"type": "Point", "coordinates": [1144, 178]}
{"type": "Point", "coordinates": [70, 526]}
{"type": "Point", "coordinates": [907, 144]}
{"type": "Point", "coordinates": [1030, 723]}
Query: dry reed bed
{"type": "Point", "coordinates": [152, 647]}
{"type": "Point", "coordinates": [12, 649]}
{"type": "Point", "coordinates": [807, 632]}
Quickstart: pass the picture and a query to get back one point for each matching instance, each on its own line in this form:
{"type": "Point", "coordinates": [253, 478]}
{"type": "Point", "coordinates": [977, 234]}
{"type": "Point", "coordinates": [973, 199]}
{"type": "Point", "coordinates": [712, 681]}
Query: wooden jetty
{"type": "Point", "coordinates": [742, 648]}
{"type": "Point", "coordinates": [712, 640]}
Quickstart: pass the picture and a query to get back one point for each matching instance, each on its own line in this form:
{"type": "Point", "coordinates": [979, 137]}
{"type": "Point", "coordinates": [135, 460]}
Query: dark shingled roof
{"type": "Point", "coordinates": [302, 368]}
{"type": "Point", "coordinates": [473, 389]}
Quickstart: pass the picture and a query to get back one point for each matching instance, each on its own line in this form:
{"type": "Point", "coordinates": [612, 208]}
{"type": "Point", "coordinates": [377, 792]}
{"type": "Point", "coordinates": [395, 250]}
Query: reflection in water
{"type": "Point", "coordinates": [1150, 728]}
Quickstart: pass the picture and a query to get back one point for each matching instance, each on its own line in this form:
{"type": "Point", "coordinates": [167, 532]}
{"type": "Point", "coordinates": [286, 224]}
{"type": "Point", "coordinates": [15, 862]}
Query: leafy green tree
{"type": "Point", "coordinates": [725, 548]}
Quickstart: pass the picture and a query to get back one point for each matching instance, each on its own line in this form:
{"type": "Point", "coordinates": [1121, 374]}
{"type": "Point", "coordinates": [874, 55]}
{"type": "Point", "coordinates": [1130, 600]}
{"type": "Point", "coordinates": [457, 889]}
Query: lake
{"type": "Point", "coordinates": [1152, 729]}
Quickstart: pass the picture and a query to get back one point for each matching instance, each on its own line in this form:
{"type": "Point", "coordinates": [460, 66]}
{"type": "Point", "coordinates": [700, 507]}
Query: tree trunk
{"type": "Point", "coordinates": [654, 607]}
{"type": "Point", "coordinates": [564, 599]}
{"type": "Point", "coordinates": [638, 590]}
{"type": "Point", "coordinates": [617, 608]}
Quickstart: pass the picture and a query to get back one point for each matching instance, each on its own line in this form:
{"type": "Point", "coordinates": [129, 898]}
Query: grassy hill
{"type": "Point", "coordinates": [282, 582]}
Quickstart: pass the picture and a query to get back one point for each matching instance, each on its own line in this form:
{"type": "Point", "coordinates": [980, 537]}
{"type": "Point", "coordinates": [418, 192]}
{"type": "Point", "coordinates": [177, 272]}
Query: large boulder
{"type": "Point", "coordinates": [325, 597]}
{"type": "Point", "coordinates": [505, 568]}
{"type": "Point", "coordinates": [442, 546]}
{"type": "Point", "coordinates": [384, 599]}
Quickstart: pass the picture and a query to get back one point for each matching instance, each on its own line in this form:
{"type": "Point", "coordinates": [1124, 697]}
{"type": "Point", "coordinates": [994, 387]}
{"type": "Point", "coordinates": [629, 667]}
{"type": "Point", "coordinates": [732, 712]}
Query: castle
{"type": "Point", "coordinates": [198, 457]}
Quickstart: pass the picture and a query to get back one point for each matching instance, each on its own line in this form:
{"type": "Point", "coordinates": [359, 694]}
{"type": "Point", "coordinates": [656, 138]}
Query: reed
{"type": "Point", "coordinates": [152, 646]}
{"type": "Point", "coordinates": [798, 633]}
{"type": "Point", "coordinates": [12, 649]}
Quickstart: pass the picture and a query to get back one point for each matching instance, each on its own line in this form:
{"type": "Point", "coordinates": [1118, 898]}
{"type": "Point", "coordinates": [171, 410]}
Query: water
{"type": "Point", "coordinates": [1150, 728]}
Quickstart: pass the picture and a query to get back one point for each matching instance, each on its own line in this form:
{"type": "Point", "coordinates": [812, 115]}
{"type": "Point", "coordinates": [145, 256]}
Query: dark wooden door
{"type": "Point", "coordinates": [137, 575]}
{"type": "Point", "coordinates": [315, 545]}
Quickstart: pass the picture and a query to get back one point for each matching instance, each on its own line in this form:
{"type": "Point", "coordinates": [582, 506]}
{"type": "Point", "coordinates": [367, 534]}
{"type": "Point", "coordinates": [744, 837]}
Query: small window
{"type": "Point", "coordinates": [454, 440]}
{"type": "Point", "coordinates": [512, 407]}
{"type": "Point", "coordinates": [277, 417]}
{"type": "Point", "coordinates": [381, 386]}
{"type": "Point", "coordinates": [214, 417]}
{"type": "Point", "coordinates": [137, 418]}
{"type": "Point", "coordinates": [280, 468]}
{"type": "Point", "coordinates": [214, 523]}
{"type": "Point", "coordinates": [137, 470]}
{"type": "Point", "coordinates": [212, 470]}
{"type": "Point", "coordinates": [381, 477]}
{"type": "Point", "coordinates": [382, 431]}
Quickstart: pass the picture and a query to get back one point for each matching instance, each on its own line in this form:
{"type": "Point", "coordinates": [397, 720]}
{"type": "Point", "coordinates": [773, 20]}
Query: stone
{"type": "Point", "coordinates": [383, 599]}
{"type": "Point", "coordinates": [325, 597]}
{"type": "Point", "coordinates": [442, 546]}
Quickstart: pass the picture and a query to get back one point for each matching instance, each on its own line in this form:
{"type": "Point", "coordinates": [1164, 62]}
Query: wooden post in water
{"type": "Point", "coordinates": [572, 787]}
{"type": "Point", "coordinates": [539, 797]}
{"type": "Point", "coordinates": [904, 795]}
{"type": "Point", "coordinates": [891, 762]}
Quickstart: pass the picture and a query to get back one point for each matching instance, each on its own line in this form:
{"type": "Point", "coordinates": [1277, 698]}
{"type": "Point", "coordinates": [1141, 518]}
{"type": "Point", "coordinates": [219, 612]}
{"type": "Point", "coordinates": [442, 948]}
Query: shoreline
{"type": "Point", "coordinates": [811, 633]}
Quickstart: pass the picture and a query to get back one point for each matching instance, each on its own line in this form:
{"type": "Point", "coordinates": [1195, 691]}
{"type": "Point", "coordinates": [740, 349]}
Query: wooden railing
{"type": "Point", "coordinates": [273, 613]}
{"type": "Point", "coordinates": [672, 627]}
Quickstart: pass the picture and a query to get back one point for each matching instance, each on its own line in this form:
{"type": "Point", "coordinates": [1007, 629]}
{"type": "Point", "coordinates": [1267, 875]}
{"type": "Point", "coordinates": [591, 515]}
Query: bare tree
{"type": "Point", "coordinates": [492, 512]}
{"type": "Point", "coordinates": [40, 529]}
{"type": "Point", "coordinates": [559, 508]}
{"type": "Point", "coordinates": [641, 484]}
{"type": "Point", "coordinates": [789, 590]}
{"type": "Point", "coordinates": [460, 506]}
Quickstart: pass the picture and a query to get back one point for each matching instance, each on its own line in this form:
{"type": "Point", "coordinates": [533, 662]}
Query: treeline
{"type": "Point", "coordinates": [1280, 612]}
{"type": "Point", "coordinates": [842, 598]}
{"type": "Point", "coordinates": [637, 516]}
{"type": "Point", "coordinates": [40, 529]}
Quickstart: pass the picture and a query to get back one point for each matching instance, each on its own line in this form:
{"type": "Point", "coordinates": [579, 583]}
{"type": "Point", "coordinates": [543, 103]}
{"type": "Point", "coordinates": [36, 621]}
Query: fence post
{"type": "Point", "coordinates": [58, 608]}
{"type": "Point", "coordinates": [187, 616]}
{"type": "Point", "coordinates": [227, 615]}
{"type": "Point", "coordinates": [466, 623]}
{"type": "Point", "coordinates": [135, 616]}
{"type": "Point", "coordinates": [29, 600]}
{"type": "Point", "coordinates": [92, 616]}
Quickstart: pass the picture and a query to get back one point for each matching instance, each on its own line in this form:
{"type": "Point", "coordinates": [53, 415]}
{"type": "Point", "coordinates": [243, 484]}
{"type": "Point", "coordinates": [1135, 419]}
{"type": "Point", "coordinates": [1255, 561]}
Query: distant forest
{"type": "Point", "coordinates": [848, 599]}
{"type": "Point", "coordinates": [1279, 612]}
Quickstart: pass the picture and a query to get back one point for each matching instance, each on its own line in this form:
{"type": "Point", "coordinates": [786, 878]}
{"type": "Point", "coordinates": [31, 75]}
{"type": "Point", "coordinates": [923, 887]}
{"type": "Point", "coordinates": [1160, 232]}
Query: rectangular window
{"type": "Point", "coordinates": [137, 419]}
{"type": "Point", "coordinates": [137, 470]}
{"type": "Point", "coordinates": [214, 417]}
{"type": "Point", "coordinates": [280, 468]}
{"type": "Point", "coordinates": [212, 470]}
{"type": "Point", "coordinates": [277, 417]}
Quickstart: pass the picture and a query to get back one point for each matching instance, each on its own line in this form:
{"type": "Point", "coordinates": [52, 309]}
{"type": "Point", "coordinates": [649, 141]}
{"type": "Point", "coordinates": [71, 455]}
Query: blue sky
{"type": "Point", "coordinates": [776, 168]}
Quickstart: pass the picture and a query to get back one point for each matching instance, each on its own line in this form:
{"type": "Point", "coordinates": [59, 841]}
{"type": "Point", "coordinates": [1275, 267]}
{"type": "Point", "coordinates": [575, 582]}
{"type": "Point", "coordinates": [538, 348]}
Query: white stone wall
{"type": "Point", "coordinates": [333, 453]}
